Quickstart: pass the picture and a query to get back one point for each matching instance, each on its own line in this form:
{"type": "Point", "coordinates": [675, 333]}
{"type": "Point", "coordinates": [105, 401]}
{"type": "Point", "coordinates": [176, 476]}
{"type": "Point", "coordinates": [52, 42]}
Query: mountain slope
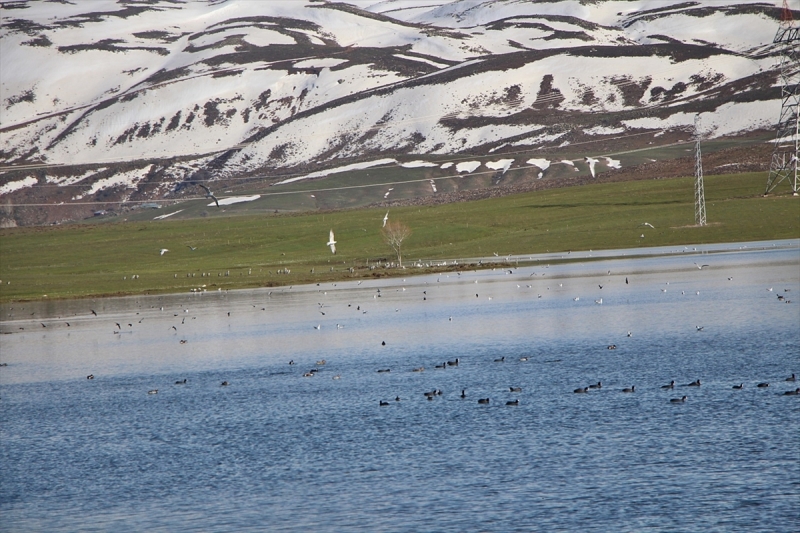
{"type": "Point", "coordinates": [131, 101]}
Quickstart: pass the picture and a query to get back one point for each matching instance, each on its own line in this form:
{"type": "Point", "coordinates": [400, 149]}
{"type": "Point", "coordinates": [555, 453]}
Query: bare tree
{"type": "Point", "coordinates": [394, 233]}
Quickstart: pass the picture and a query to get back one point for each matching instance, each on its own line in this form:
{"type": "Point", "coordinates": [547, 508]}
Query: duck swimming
{"type": "Point", "coordinates": [678, 400]}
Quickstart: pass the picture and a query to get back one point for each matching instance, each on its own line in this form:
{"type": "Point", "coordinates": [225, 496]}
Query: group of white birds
{"type": "Point", "coordinates": [331, 239]}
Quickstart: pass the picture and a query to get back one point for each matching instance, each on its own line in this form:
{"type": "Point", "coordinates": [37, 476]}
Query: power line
{"type": "Point", "coordinates": [326, 189]}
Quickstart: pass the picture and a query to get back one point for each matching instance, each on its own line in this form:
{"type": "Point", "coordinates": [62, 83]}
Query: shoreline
{"type": "Point", "coordinates": [472, 264]}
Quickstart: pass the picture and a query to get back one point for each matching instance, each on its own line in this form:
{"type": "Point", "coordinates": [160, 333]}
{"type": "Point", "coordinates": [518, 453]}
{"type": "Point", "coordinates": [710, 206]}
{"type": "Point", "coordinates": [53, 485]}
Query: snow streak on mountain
{"type": "Point", "coordinates": [130, 100]}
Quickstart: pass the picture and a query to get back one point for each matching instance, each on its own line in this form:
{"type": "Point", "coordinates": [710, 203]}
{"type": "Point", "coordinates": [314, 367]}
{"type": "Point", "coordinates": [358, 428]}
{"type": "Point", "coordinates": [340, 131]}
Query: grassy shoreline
{"type": "Point", "coordinates": [97, 260]}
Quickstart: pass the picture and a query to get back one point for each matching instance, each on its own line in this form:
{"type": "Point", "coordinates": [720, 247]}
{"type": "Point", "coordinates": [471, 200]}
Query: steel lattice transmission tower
{"type": "Point", "coordinates": [699, 191]}
{"type": "Point", "coordinates": [784, 155]}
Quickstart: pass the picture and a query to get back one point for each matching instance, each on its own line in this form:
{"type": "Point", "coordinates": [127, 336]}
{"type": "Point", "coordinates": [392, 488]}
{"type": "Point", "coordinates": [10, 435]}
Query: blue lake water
{"type": "Point", "coordinates": [276, 451]}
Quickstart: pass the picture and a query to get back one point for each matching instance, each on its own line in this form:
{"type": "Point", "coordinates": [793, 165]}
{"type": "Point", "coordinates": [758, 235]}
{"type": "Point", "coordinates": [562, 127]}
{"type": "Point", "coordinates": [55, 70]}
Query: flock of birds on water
{"type": "Point", "coordinates": [431, 395]}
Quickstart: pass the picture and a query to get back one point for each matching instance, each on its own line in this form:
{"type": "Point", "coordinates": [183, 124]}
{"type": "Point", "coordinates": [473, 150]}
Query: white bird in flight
{"type": "Point", "coordinates": [163, 251]}
{"type": "Point", "coordinates": [332, 243]}
{"type": "Point", "coordinates": [700, 267]}
{"type": "Point", "coordinates": [647, 224]}
{"type": "Point", "coordinates": [385, 218]}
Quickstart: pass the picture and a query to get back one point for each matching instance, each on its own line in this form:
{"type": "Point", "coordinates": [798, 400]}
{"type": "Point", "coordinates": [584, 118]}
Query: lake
{"type": "Point", "coordinates": [277, 449]}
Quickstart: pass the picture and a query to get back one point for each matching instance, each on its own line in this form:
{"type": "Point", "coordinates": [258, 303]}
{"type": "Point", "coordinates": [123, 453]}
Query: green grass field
{"type": "Point", "coordinates": [100, 259]}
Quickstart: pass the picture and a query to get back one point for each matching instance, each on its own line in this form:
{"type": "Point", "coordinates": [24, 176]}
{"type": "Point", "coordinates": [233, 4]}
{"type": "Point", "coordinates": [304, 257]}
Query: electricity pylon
{"type": "Point", "coordinates": [699, 191]}
{"type": "Point", "coordinates": [784, 155]}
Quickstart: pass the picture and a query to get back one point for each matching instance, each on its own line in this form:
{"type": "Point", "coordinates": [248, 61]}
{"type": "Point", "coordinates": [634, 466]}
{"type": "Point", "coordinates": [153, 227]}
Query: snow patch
{"type": "Point", "coordinates": [162, 217]}
{"type": "Point", "coordinates": [64, 181]}
{"type": "Point", "coordinates": [319, 62]}
{"type": "Point", "coordinates": [468, 166]}
{"type": "Point", "coordinates": [17, 185]}
{"type": "Point", "coordinates": [418, 164]}
{"type": "Point", "coordinates": [127, 179]}
{"type": "Point", "coordinates": [603, 130]}
{"type": "Point", "coordinates": [538, 139]}
{"type": "Point", "coordinates": [446, 166]}
{"type": "Point", "coordinates": [264, 37]}
{"type": "Point", "coordinates": [503, 164]}
{"type": "Point", "coordinates": [235, 200]}
{"type": "Point", "coordinates": [346, 168]}
{"type": "Point", "coordinates": [728, 119]}
{"type": "Point", "coordinates": [421, 60]}
{"type": "Point", "coordinates": [543, 164]}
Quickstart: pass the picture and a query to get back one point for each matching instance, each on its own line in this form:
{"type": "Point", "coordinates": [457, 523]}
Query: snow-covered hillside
{"type": "Point", "coordinates": [128, 100]}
